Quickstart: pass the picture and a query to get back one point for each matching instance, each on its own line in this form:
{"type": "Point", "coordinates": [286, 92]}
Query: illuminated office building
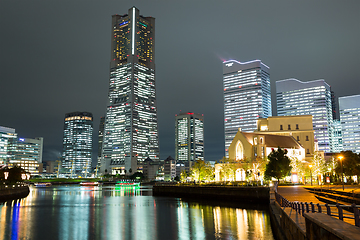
{"type": "Point", "coordinates": [131, 126]}
{"type": "Point", "coordinates": [295, 97]}
{"type": "Point", "coordinates": [77, 142]}
{"type": "Point", "coordinates": [5, 134]}
{"type": "Point", "coordinates": [247, 96]}
{"type": "Point", "coordinates": [336, 142]}
{"type": "Point", "coordinates": [26, 153]}
{"type": "Point", "coordinates": [350, 122]}
{"type": "Point", "coordinates": [189, 137]}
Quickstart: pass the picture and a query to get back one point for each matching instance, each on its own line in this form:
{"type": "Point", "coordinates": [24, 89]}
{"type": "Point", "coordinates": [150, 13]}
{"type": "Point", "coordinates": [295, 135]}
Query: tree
{"type": "Point", "coordinates": [202, 170]}
{"type": "Point", "coordinates": [184, 175]}
{"type": "Point", "coordinates": [279, 164]}
{"type": "Point", "coordinates": [318, 165]}
{"type": "Point", "coordinates": [350, 162]}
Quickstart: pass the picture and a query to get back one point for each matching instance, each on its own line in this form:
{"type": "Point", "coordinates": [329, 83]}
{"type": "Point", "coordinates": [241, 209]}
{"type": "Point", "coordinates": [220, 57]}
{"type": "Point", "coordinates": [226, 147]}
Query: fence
{"type": "Point", "coordinates": [301, 208]}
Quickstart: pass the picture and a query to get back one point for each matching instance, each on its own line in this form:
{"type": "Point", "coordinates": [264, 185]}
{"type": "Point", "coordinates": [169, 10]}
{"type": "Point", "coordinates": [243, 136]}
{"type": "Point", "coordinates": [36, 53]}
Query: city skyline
{"type": "Point", "coordinates": [64, 57]}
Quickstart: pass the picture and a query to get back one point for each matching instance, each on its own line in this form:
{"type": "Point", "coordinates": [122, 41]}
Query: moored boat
{"type": "Point", "coordinates": [127, 184]}
{"type": "Point", "coordinates": [42, 184]}
{"type": "Point", "coordinates": [89, 184]}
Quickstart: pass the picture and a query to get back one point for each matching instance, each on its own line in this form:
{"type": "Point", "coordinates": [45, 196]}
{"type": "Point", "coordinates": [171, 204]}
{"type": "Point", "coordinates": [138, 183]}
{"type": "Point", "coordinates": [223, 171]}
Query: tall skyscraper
{"type": "Point", "coordinates": [131, 126]}
{"type": "Point", "coordinates": [77, 142]}
{"type": "Point", "coordinates": [295, 97]}
{"type": "Point", "coordinates": [189, 137]}
{"type": "Point", "coordinates": [5, 135]}
{"type": "Point", "coordinates": [247, 96]}
{"type": "Point", "coordinates": [350, 122]}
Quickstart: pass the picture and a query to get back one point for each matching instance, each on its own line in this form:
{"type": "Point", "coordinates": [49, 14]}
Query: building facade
{"type": "Point", "coordinates": [349, 107]}
{"type": "Point", "coordinates": [336, 136]}
{"type": "Point", "coordinates": [131, 125]}
{"type": "Point", "coordinates": [247, 96]}
{"type": "Point", "coordinates": [77, 143]}
{"type": "Point", "coordinates": [26, 153]}
{"type": "Point", "coordinates": [295, 97]}
{"type": "Point", "coordinates": [300, 127]}
{"type": "Point", "coordinates": [100, 140]}
{"type": "Point", "coordinates": [5, 135]}
{"type": "Point", "coordinates": [189, 137]}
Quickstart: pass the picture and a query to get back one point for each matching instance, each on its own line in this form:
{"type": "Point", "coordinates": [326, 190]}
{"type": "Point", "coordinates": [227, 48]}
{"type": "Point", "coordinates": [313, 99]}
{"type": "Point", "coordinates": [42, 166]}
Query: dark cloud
{"type": "Point", "coordinates": [54, 57]}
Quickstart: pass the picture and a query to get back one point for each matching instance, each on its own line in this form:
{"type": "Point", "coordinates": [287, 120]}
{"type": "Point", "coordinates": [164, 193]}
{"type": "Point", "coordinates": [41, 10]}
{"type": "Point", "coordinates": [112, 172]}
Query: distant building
{"type": "Point", "coordinates": [5, 134]}
{"type": "Point", "coordinates": [300, 127]}
{"type": "Point", "coordinates": [350, 121]}
{"type": "Point", "coordinates": [26, 153]}
{"type": "Point", "coordinates": [295, 97]}
{"type": "Point", "coordinates": [77, 142]}
{"type": "Point", "coordinates": [100, 139]}
{"type": "Point", "coordinates": [247, 96]}
{"type": "Point", "coordinates": [131, 124]}
{"type": "Point", "coordinates": [189, 137]}
{"type": "Point", "coordinates": [336, 135]}
{"type": "Point", "coordinates": [169, 169]}
{"type": "Point", "coordinates": [150, 169]}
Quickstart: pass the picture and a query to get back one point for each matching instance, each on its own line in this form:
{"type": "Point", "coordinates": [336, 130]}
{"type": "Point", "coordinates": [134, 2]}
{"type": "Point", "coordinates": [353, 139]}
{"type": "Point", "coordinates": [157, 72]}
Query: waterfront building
{"type": "Point", "coordinates": [131, 125]}
{"type": "Point", "coordinates": [350, 121]}
{"type": "Point", "coordinates": [189, 137]}
{"type": "Point", "coordinates": [100, 140]}
{"type": "Point", "coordinates": [150, 169]}
{"type": "Point", "coordinates": [298, 126]}
{"type": "Point", "coordinates": [5, 134]}
{"type": "Point", "coordinates": [295, 97]}
{"type": "Point", "coordinates": [169, 168]}
{"type": "Point", "coordinates": [26, 153]}
{"type": "Point", "coordinates": [247, 96]}
{"type": "Point", "coordinates": [77, 143]}
{"type": "Point", "coordinates": [257, 146]}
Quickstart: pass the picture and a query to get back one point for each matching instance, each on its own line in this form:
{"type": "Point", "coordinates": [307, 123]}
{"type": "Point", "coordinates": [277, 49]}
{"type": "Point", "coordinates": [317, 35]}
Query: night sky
{"type": "Point", "coordinates": [55, 55]}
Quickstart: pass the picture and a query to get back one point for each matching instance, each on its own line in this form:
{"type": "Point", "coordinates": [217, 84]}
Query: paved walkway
{"type": "Point", "coordinates": [297, 193]}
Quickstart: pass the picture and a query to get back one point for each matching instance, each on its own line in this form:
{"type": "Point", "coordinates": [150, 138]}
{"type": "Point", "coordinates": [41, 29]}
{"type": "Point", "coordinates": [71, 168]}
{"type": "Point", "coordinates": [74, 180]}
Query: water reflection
{"type": "Point", "coordinates": [107, 212]}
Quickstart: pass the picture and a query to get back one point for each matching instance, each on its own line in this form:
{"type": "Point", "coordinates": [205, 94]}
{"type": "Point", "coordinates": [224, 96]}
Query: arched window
{"type": "Point", "coordinates": [239, 151]}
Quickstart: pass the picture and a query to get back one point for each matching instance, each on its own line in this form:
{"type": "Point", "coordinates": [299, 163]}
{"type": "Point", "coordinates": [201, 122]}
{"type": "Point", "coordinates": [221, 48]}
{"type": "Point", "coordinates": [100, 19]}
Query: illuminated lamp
{"type": "Point", "coordinates": [224, 89]}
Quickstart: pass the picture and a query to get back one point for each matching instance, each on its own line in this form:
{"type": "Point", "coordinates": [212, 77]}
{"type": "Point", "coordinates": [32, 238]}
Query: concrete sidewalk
{"type": "Point", "coordinates": [297, 193]}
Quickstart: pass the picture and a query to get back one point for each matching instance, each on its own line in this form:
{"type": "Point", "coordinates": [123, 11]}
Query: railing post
{"type": "Point", "coordinates": [312, 207]}
{"type": "Point", "coordinates": [340, 211]}
{"type": "Point", "coordinates": [298, 207]}
{"type": "Point", "coordinates": [356, 214]}
{"type": "Point", "coordinates": [307, 207]}
{"type": "Point", "coordinates": [328, 211]}
{"type": "Point", "coordinates": [319, 208]}
{"type": "Point", "coordinates": [302, 209]}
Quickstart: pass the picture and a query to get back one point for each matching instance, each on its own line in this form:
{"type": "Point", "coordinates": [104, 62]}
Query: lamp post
{"type": "Point", "coordinates": [310, 166]}
{"type": "Point", "coordinates": [342, 172]}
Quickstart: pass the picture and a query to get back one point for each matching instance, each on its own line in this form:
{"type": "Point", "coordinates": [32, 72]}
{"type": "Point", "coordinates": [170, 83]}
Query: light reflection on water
{"type": "Point", "coordinates": [108, 212]}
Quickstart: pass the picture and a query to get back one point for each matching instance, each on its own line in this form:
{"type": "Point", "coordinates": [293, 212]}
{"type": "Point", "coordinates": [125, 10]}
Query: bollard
{"type": "Point", "coordinates": [340, 211]}
{"type": "Point", "coordinates": [356, 214]}
{"type": "Point", "coordinates": [319, 208]}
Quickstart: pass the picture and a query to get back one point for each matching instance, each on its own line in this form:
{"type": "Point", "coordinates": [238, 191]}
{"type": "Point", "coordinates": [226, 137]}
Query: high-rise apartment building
{"type": "Point", "coordinates": [26, 153]}
{"type": "Point", "coordinates": [189, 137]}
{"type": "Point", "coordinates": [131, 126]}
{"type": "Point", "coordinates": [350, 121]}
{"type": "Point", "coordinates": [247, 96]}
{"type": "Point", "coordinates": [77, 142]}
{"type": "Point", "coordinates": [5, 135]}
{"type": "Point", "coordinates": [295, 97]}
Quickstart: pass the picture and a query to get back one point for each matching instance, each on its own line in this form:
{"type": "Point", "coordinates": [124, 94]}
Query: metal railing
{"type": "Point", "coordinates": [301, 208]}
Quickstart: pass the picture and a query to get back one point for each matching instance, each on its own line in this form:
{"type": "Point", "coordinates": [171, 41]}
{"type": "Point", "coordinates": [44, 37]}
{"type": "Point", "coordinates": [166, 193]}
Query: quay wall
{"type": "Point", "coordinates": [10, 193]}
{"type": "Point", "coordinates": [228, 193]}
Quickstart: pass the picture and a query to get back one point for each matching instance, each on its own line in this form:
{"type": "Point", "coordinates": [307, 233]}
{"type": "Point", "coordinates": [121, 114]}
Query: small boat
{"type": "Point", "coordinates": [127, 184]}
{"type": "Point", "coordinates": [42, 184]}
{"type": "Point", "coordinates": [89, 184]}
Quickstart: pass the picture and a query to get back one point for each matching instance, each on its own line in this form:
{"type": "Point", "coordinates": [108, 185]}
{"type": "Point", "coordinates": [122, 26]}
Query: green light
{"type": "Point", "coordinates": [143, 24]}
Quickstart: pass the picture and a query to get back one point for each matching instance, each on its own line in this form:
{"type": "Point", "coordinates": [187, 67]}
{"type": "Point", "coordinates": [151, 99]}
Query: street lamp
{"type": "Point", "coordinates": [342, 172]}
{"type": "Point", "coordinates": [310, 166]}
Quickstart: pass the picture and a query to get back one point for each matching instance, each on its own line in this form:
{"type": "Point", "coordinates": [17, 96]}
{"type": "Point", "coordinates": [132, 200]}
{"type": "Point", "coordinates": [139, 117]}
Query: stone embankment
{"type": "Point", "coordinates": [10, 192]}
{"type": "Point", "coordinates": [229, 193]}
